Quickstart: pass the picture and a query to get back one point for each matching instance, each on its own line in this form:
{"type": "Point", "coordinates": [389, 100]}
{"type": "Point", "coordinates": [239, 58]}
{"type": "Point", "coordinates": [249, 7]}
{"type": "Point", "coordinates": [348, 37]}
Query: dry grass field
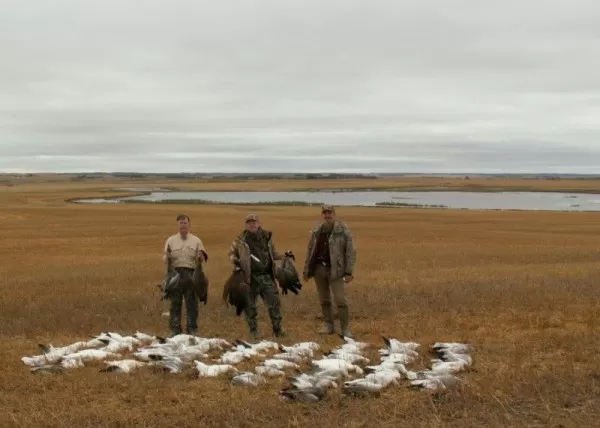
{"type": "Point", "coordinates": [522, 287]}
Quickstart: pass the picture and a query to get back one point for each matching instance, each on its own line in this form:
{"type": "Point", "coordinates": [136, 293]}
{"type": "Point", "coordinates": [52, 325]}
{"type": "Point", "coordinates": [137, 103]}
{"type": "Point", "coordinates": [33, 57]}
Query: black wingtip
{"type": "Point", "coordinates": [155, 357]}
{"type": "Point", "coordinates": [243, 343]}
{"type": "Point", "coordinates": [161, 339]}
{"type": "Point", "coordinates": [386, 341]}
{"type": "Point", "coordinates": [45, 349]}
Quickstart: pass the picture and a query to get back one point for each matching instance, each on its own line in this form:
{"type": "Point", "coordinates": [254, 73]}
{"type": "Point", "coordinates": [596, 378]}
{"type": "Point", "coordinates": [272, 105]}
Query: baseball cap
{"type": "Point", "coordinates": [327, 208]}
{"type": "Point", "coordinates": [251, 217]}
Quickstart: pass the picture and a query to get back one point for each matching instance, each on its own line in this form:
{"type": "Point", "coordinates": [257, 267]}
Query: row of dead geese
{"type": "Point", "coordinates": [345, 367]}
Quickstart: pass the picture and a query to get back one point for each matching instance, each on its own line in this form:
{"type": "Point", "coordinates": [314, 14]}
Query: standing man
{"type": "Point", "coordinates": [181, 253]}
{"type": "Point", "coordinates": [330, 259]}
{"type": "Point", "coordinates": [254, 252]}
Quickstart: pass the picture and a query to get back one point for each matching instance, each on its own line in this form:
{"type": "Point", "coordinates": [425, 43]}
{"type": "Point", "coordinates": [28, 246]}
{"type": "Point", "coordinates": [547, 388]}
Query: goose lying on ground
{"type": "Point", "coordinates": [448, 366]}
{"type": "Point", "coordinates": [319, 379]}
{"type": "Point", "coordinates": [48, 369]}
{"type": "Point", "coordinates": [456, 347]}
{"type": "Point", "coordinates": [280, 364]}
{"type": "Point", "coordinates": [361, 387]}
{"type": "Point", "coordinates": [310, 394]}
{"type": "Point", "coordinates": [435, 383]}
{"type": "Point", "coordinates": [263, 345]}
{"type": "Point", "coordinates": [71, 363]}
{"type": "Point", "coordinates": [353, 346]}
{"type": "Point", "coordinates": [313, 346]}
{"type": "Point", "coordinates": [346, 356]}
{"type": "Point", "coordinates": [122, 366]}
{"type": "Point", "coordinates": [388, 365]}
{"type": "Point", "coordinates": [399, 358]}
{"type": "Point", "coordinates": [396, 346]}
{"type": "Point", "coordinates": [268, 371]}
{"type": "Point", "coordinates": [213, 370]}
{"type": "Point", "coordinates": [51, 355]}
{"type": "Point", "coordinates": [238, 355]}
{"type": "Point", "coordinates": [168, 364]}
{"type": "Point", "coordinates": [336, 364]}
{"type": "Point", "coordinates": [294, 358]}
{"type": "Point", "coordinates": [445, 355]}
{"type": "Point", "coordinates": [296, 352]}
{"type": "Point", "coordinates": [384, 377]}
{"type": "Point", "coordinates": [36, 361]}
{"type": "Point", "coordinates": [248, 379]}
{"type": "Point", "coordinates": [91, 355]}
{"type": "Point", "coordinates": [118, 346]}
{"type": "Point", "coordinates": [144, 338]}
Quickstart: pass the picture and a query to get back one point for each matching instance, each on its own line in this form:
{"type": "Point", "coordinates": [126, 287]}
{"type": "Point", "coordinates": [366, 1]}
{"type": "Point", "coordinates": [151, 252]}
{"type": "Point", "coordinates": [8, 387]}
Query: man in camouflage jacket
{"type": "Point", "coordinates": [330, 260]}
{"type": "Point", "coordinates": [254, 252]}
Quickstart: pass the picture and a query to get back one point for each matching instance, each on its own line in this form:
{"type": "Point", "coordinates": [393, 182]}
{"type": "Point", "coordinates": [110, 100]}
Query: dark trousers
{"type": "Point", "coordinates": [184, 291]}
{"type": "Point", "coordinates": [264, 286]}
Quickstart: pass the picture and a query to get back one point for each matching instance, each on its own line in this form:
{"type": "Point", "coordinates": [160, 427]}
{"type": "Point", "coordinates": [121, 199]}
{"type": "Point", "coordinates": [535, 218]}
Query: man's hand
{"type": "Point", "coordinates": [201, 256]}
{"type": "Point", "coordinates": [305, 276]}
{"type": "Point", "coordinates": [348, 278]}
{"type": "Point", "coordinates": [245, 286]}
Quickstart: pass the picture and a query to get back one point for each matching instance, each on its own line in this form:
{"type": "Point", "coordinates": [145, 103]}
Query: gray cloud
{"type": "Point", "coordinates": [300, 85]}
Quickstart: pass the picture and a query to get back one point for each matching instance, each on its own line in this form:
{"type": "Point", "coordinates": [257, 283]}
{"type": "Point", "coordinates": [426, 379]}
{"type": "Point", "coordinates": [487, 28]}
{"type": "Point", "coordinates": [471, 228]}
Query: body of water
{"type": "Point", "coordinates": [547, 201]}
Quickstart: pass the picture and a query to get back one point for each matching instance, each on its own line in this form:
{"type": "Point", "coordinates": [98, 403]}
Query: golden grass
{"type": "Point", "coordinates": [522, 287]}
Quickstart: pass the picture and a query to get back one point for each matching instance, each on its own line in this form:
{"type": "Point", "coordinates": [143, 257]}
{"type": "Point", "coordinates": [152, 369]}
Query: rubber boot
{"type": "Point", "coordinates": [343, 316]}
{"type": "Point", "coordinates": [327, 320]}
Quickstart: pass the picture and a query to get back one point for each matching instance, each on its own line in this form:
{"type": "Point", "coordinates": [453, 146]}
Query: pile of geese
{"type": "Point", "coordinates": [309, 377]}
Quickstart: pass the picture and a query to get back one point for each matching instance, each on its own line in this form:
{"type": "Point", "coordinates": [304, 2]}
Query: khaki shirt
{"type": "Point", "coordinates": [184, 252]}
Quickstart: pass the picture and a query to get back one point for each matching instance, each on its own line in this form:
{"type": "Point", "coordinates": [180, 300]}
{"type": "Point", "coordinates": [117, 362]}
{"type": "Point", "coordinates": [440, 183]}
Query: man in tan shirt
{"type": "Point", "coordinates": [181, 253]}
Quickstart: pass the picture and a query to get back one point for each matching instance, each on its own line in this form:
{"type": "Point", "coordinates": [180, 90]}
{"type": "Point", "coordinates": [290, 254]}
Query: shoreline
{"type": "Point", "coordinates": [118, 199]}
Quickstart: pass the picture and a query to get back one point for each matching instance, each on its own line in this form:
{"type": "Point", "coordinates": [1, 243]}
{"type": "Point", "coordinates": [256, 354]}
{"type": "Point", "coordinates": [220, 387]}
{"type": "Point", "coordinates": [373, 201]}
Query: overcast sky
{"type": "Point", "coordinates": [302, 85]}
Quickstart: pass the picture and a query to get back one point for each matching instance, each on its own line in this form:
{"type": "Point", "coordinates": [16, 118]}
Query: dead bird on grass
{"type": "Point", "coordinates": [48, 369]}
{"type": "Point", "coordinates": [309, 394]}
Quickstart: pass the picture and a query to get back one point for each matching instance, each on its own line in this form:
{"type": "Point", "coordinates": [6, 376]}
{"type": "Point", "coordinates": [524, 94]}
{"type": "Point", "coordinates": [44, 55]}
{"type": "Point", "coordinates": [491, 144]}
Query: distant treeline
{"type": "Point", "coordinates": [283, 176]}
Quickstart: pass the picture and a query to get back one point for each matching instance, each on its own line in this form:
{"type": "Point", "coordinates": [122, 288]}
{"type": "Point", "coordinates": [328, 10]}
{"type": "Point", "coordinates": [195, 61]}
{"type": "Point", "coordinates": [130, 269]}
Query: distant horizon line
{"type": "Point", "coordinates": [287, 174]}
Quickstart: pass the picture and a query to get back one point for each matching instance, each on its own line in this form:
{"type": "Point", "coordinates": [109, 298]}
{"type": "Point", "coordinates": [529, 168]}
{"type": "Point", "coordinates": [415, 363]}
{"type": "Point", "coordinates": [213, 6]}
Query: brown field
{"type": "Point", "coordinates": [15, 183]}
{"type": "Point", "coordinates": [521, 287]}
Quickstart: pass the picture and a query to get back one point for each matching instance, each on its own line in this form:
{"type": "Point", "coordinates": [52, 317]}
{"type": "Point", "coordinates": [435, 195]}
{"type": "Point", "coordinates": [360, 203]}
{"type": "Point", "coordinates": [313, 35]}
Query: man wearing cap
{"type": "Point", "coordinates": [181, 253]}
{"type": "Point", "coordinates": [254, 252]}
{"type": "Point", "coordinates": [330, 260]}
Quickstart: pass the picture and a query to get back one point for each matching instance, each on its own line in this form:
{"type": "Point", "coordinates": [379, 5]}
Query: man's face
{"type": "Point", "coordinates": [328, 216]}
{"type": "Point", "coordinates": [184, 226]}
{"type": "Point", "coordinates": [252, 226]}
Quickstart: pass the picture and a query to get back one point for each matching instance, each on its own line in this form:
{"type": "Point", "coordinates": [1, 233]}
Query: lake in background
{"type": "Point", "coordinates": [549, 201]}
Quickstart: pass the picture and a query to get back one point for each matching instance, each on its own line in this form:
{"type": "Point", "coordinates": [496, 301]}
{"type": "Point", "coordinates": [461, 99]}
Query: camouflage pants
{"type": "Point", "coordinates": [264, 286]}
{"type": "Point", "coordinates": [184, 291]}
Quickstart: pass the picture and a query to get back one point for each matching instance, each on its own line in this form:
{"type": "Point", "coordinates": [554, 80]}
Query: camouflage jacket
{"type": "Point", "coordinates": [341, 251]}
{"type": "Point", "coordinates": [239, 254]}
